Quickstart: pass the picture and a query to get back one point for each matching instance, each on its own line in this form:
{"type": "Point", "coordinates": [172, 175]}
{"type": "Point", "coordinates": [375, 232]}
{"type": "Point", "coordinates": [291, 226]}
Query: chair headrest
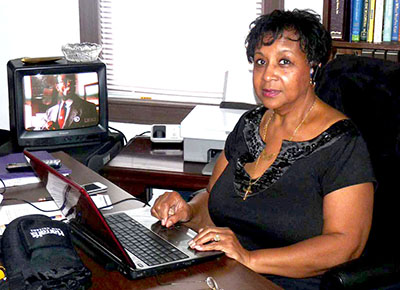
{"type": "Point", "coordinates": [367, 90]}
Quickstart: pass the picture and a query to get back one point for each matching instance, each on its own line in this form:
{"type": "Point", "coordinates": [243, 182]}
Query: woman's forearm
{"type": "Point", "coordinates": [200, 216]}
{"type": "Point", "coordinates": [304, 259]}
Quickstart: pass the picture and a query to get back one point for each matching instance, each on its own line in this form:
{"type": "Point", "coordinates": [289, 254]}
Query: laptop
{"type": "Point", "coordinates": [133, 240]}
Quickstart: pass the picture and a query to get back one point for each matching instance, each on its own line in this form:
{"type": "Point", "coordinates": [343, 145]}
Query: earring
{"type": "Point", "coordinates": [311, 76]}
{"type": "Point", "coordinates": [314, 72]}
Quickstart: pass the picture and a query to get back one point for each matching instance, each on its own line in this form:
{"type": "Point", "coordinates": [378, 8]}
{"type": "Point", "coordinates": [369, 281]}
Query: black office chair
{"type": "Point", "coordinates": [368, 91]}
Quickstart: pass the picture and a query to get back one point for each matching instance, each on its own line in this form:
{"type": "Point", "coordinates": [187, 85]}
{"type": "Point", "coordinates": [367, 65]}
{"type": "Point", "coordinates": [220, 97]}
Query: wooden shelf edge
{"type": "Point", "coordinates": [362, 45]}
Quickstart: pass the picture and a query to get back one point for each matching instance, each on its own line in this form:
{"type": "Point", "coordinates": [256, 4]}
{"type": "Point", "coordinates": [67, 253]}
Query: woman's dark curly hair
{"type": "Point", "coordinates": [315, 40]}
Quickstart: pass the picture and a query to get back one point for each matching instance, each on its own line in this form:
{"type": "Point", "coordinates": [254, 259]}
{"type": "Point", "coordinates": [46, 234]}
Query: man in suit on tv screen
{"type": "Point", "coordinates": [70, 111]}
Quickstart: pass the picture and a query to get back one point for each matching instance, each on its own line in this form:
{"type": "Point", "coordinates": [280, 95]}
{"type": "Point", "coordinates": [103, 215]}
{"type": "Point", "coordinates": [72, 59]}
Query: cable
{"type": "Point", "coordinates": [123, 136]}
{"type": "Point", "coordinates": [4, 186]}
{"type": "Point", "coordinates": [63, 205]}
{"type": "Point", "coordinates": [124, 200]}
{"type": "Point", "coordinates": [138, 135]}
{"type": "Point", "coordinates": [141, 134]}
{"type": "Point", "coordinates": [31, 204]}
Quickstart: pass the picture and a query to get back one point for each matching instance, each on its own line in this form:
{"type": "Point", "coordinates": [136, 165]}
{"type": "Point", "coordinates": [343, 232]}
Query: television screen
{"type": "Point", "coordinates": [61, 101]}
{"type": "Point", "coordinates": [58, 104]}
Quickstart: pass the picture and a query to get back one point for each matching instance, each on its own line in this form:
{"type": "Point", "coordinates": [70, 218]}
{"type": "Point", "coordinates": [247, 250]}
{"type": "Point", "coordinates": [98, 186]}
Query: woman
{"type": "Point", "coordinates": [292, 193]}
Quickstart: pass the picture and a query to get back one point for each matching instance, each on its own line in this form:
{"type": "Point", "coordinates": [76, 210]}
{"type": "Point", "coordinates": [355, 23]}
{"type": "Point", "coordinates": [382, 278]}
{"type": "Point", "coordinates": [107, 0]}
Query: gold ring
{"type": "Point", "coordinates": [217, 238]}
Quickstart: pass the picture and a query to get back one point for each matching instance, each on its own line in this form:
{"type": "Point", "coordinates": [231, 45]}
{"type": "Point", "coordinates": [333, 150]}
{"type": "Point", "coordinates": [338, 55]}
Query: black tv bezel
{"type": "Point", "coordinates": [54, 139]}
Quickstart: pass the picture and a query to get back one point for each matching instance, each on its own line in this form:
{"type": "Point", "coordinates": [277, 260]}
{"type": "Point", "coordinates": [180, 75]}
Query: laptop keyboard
{"type": "Point", "coordinates": [142, 242]}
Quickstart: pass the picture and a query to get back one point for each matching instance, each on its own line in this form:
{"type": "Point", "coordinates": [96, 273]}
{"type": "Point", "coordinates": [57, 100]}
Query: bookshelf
{"type": "Point", "coordinates": [384, 50]}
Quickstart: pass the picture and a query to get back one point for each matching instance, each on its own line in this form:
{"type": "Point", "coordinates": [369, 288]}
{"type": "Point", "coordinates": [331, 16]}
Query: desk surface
{"type": "Point", "coordinates": [142, 164]}
{"type": "Point", "coordinates": [228, 273]}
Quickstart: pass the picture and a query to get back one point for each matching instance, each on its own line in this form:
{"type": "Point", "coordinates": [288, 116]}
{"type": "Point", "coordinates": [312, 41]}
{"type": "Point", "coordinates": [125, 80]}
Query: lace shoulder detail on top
{"type": "Point", "coordinates": [251, 133]}
{"type": "Point", "coordinates": [290, 153]}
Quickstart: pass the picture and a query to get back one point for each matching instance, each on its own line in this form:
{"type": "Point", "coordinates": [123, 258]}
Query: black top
{"type": "Point", "coordinates": [286, 204]}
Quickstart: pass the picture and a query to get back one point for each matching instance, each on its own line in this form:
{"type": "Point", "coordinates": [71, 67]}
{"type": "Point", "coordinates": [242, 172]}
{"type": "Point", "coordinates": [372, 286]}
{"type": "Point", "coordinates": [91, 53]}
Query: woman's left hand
{"type": "Point", "coordinates": [220, 239]}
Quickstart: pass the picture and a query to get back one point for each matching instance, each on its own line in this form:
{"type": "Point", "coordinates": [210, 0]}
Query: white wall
{"type": "Point", "coordinates": [33, 28]}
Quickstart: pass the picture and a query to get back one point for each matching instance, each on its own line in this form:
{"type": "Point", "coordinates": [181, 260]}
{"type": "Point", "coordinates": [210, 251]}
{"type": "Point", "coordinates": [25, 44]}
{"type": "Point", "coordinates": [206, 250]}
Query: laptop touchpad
{"type": "Point", "coordinates": [176, 234]}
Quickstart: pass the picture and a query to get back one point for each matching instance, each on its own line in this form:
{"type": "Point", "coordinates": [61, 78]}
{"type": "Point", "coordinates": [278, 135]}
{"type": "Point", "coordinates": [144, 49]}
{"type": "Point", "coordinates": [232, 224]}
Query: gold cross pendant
{"type": "Point", "coordinates": [248, 190]}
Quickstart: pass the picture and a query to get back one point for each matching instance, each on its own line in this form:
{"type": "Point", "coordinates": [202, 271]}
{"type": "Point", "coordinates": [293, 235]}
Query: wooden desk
{"type": "Point", "coordinates": [142, 165]}
{"type": "Point", "coordinates": [228, 273]}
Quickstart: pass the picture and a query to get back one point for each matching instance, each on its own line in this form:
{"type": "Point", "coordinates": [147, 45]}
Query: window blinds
{"type": "Point", "coordinates": [175, 50]}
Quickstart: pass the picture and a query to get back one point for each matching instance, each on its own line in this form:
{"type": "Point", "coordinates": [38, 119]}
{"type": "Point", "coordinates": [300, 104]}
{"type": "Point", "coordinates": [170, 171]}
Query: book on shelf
{"type": "Point", "coordinates": [351, 20]}
{"type": "Point", "coordinates": [339, 19]}
{"type": "Point", "coordinates": [364, 22]}
{"type": "Point", "coordinates": [378, 26]}
{"type": "Point", "coordinates": [371, 21]}
{"type": "Point", "coordinates": [27, 176]}
{"type": "Point", "coordinates": [387, 21]}
{"type": "Point", "coordinates": [356, 19]}
{"type": "Point", "coordinates": [395, 20]}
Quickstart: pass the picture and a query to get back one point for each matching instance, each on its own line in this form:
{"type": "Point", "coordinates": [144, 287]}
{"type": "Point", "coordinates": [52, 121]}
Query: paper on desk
{"type": "Point", "coordinates": [101, 200]}
{"type": "Point", "coordinates": [10, 212]}
{"type": "Point", "coordinates": [144, 214]}
{"type": "Point", "coordinates": [21, 181]}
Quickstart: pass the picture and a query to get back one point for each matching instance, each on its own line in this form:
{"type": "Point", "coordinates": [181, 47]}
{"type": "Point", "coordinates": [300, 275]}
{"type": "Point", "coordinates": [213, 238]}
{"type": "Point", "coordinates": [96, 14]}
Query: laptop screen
{"type": "Point", "coordinates": [77, 206]}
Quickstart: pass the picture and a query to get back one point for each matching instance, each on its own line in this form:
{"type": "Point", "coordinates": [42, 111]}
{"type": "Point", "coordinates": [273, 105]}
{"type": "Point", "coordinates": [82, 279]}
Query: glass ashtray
{"type": "Point", "coordinates": [81, 52]}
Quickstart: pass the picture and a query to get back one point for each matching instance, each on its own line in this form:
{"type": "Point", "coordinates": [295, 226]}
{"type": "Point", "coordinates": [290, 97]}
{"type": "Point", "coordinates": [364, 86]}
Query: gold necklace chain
{"type": "Point", "coordinates": [302, 121]}
{"type": "Point", "coordinates": [269, 156]}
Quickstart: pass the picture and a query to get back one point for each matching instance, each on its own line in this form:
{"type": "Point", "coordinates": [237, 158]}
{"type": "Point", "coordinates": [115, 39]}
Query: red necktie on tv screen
{"type": "Point", "coordinates": [61, 116]}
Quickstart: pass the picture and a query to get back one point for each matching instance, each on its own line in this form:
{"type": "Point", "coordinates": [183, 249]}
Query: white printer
{"type": "Point", "coordinates": [204, 131]}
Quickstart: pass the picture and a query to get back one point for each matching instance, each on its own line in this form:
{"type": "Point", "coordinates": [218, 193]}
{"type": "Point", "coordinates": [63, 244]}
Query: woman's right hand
{"type": "Point", "coordinates": [171, 208]}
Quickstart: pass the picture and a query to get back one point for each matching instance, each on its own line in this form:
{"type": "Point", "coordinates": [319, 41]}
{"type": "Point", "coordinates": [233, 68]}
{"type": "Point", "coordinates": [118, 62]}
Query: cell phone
{"type": "Point", "coordinates": [94, 187]}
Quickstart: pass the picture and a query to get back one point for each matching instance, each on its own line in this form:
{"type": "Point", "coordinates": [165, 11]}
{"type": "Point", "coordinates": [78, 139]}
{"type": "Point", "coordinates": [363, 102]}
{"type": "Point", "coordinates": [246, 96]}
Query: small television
{"type": "Point", "coordinates": [57, 104]}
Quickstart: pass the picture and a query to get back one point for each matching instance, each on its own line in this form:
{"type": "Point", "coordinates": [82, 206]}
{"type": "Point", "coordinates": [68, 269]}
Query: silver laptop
{"type": "Point", "coordinates": [132, 241]}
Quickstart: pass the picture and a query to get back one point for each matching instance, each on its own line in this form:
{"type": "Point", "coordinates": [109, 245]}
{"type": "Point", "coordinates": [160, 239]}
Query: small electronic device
{"type": "Point", "coordinates": [94, 187]}
{"type": "Point", "coordinates": [25, 166]}
{"type": "Point", "coordinates": [33, 94]}
{"type": "Point", "coordinates": [166, 133]}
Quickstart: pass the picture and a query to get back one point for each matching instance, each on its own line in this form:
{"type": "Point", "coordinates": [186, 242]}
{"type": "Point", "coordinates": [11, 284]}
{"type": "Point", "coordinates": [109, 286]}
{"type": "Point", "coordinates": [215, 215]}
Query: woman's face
{"type": "Point", "coordinates": [281, 73]}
